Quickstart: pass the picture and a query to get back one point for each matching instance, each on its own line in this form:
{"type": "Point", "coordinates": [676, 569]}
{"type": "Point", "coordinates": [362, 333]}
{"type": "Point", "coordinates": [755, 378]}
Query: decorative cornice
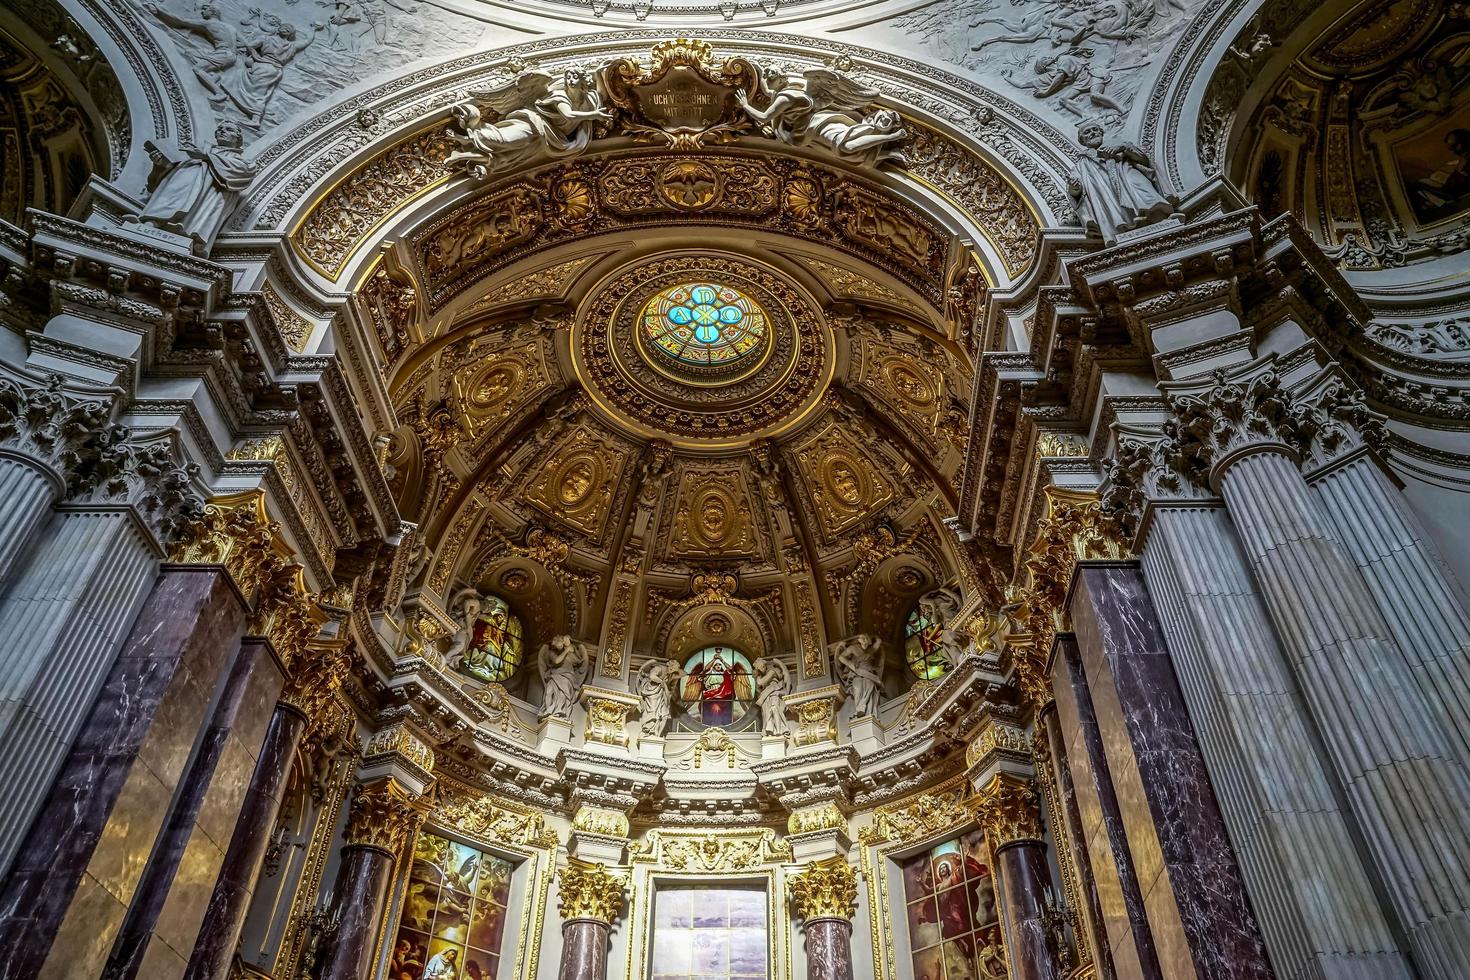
{"type": "Point", "coordinates": [825, 890]}
{"type": "Point", "coordinates": [590, 891]}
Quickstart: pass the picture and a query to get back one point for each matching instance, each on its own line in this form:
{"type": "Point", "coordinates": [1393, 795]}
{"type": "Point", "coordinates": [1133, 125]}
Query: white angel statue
{"type": "Point", "coordinates": [942, 606]}
{"type": "Point", "coordinates": [535, 115]}
{"type": "Point", "coordinates": [562, 665]}
{"type": "Point", "coordinates": [826, 108]}
{"type": "Point", "coordinates": [773, 683]}
{"type": "Point", "coordinates": [470, 603]}
{"type": "Point", "coordinates": [859, 663]}
{"type": "Point", "coordinates": [655, 694]}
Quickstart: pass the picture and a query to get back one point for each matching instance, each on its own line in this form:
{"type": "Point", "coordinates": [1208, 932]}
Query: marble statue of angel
{"type": "Point", "coordinates": [655, 695]}
{"type": "Point", "coordinates": [534, 116]}
{"type": "Point", "coordinates": [827, 108]}
{"type": "Point", "coordinates": [859, 663]}
{"type": "Point", "coordinates": [470, 603]}
{"type": "Point", "coordinates": [772, 684]}
{"type": "Point", "coordinates": [942, 606]}
{"type": "Point", "coordinates": [562, 664]}
{"type": "Point", "coordinates": [1114, 185]}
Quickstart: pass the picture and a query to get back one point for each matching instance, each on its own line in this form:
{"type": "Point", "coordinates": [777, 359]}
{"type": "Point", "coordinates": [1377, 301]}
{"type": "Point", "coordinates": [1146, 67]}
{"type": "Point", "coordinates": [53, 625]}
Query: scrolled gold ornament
{"type": "Point", "coordinates": [1008, 811]}
{"type": "Point", "coordinates": [383, 813]}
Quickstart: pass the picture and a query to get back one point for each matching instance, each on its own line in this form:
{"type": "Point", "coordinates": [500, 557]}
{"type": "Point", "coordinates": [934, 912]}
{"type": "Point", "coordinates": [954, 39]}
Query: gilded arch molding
{"type": "Point", "coordinates": [983, 157]}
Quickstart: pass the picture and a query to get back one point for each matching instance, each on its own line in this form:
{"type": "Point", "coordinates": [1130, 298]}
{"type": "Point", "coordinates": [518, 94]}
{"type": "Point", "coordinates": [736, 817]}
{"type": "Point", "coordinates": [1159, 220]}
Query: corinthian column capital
{"type": "Point", "coordinates": [825, 890]}
{"type": "Point", "coordinates": [590, 891]}
{"type": "Point", "coordinates": [1008, 810]}
{"type": "Point", "coordinates": [382, 816]}
{"type": "Point", "coordinates": [48, 424]}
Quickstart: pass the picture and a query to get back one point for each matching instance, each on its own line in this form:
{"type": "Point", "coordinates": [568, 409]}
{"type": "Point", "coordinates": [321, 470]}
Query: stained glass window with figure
{"type": "Point", "coordinates": [949, 899]}
{"type": "Point", "coordinates": [718, 687]}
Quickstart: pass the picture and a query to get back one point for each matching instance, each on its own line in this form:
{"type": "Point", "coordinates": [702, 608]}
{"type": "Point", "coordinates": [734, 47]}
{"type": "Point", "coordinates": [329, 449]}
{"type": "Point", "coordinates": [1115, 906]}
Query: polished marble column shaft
{"type": "Point", "coordinates": [584, 949]}
{"type": "Point", "coordinates": [1107, 861]}
{"type": "Point", "coordinates": [1400, 772]}
{"type": "Point", "coordinates": [230, 902]}
{"type": "Point", "coordinates": [357, 906]}
{"type": "Point", "coordinates": [1319, 910]}
{"type": "Point", "coordinates": [1196, 903]}
{"type": "Point", "coordinates": [828, 949]}
{"type": "Point", "coordinates": [1069, 835]}
{"type": "Point", "coordinates": [63, 902]}
{"type": "Point", "coordinates": [1021, 876]}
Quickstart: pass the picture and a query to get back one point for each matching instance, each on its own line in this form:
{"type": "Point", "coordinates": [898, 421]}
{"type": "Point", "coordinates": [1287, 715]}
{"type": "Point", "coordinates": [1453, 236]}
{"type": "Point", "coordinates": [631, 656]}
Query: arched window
{"type": "Point", "coordinates": [718, 687]}
{"type": "Point", "coordinates": [921, 649]}
{"type": "Point", "coordinates": [495, 649]}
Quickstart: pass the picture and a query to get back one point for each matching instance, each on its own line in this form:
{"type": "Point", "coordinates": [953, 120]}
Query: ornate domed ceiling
{"type": "Point", "coordinates": [689, 436]}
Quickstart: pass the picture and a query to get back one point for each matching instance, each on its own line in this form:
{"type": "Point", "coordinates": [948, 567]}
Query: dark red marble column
{"type": "Point", "coordinates": [1195, 901]}
{"type": "Point", "coordinates": [1009, 813]}
{"type": "Point", "coordinates": [382, 816]}
{"type": "Point", "coordinates": [829, 949]}
{"type": "Point", "coordinates": [230, 902]}
{"type": "Point", "coordinates": [152, 891]}
{"type": "Point", "coordinates": [584, 949]}
{"type": "Point", "coordinates": [188, 629]}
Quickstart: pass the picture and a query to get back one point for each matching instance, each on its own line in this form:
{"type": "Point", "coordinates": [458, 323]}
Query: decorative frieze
{"type": "Point", "coordinates": [590, 891]}
{"type": "Point", "coordinates": [927, 815]}
{"type": "Point", "coordinates": [811, 819]}
{"type": "Point", "coordinates": [601, 820]}
{"type": "Point", "coordinates": [712, 851]}
{"type": "Point", "coordinates": [824, 890]}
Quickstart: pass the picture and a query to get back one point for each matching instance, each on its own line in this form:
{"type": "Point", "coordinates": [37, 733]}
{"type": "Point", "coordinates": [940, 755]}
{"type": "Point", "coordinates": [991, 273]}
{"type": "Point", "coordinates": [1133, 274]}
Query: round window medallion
{"type": "Point", "coordinates": [703, 350]}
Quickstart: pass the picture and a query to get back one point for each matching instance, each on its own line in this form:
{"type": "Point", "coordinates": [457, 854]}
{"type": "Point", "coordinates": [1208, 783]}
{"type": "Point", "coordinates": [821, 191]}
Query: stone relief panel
{"type": "Point", "coordinates": [714, 517]}
{"type": "Point", "coordinates": [576, 482]}
{"type": "Point", "coordinates": [845, 483]}
{"type": "Point", "coordinates": [491, 382]}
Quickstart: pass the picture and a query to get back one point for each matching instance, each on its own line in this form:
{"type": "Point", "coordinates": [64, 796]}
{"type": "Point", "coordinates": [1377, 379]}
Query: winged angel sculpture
{"type": "Point", "coordinates": [826, 108]}
{"type": "Point", "coordinates": [537, 115]}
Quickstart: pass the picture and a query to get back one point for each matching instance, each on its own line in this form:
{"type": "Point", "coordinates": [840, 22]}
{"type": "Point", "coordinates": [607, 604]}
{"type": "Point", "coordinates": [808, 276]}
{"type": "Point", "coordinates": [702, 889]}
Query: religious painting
{"type": "Point", "coordinates": [702, 933]}
{"type": "Point", "coordinates": [922, 651]}
{"type": "Point", "coordinates": [949, 901]}
{"type": "Point", "coordinates": [718, 687]}
{"type": "Point", "coordinates": [495, 645]}
{"type": "Point", "coordinates": [454, 910]}
{"type": "Point", "coordinates": [1434, 166]}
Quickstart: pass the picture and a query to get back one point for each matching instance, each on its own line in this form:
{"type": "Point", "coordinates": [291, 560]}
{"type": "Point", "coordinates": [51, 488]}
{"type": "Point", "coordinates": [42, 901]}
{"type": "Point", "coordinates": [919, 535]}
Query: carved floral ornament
{"type": "Point", "coordinates": [383, 815]}
{"type": "Point", "coordinates": [712, 851]}
{"type": "Point", "coordinates": [1009, 812]}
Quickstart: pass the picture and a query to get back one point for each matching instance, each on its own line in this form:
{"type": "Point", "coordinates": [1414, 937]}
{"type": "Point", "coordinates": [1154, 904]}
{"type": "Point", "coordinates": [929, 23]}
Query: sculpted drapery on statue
{"type": "Point", "coordinates": [539, 116]}
{"type": "Point", "coordinates": [773, 682]}
{"type": "Point", "coordinates": [859, 663]}
{"type": "Point", "coordinates": [1114, 185]}
{"type": "Point", "coordinates": [194, 195]}
{"type": "Point", "coordinates": [534, 116]}
{"type": "Point", "coordinates": [655, 694]}
{"type": "Point", "coordinates": [562, 664]}
{"type": "Point", "coordinates": [826, 108]}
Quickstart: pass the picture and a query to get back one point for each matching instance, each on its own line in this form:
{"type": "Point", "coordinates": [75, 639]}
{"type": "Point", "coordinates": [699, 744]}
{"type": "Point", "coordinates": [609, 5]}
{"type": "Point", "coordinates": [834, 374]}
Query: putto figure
{"type": "Point", "coordinates": [198, 187]}
{"type": "Point", "coordinates": [535, 115]}
{"type": "Point", "coordinates": [1114, 185]}
{"type": "Point", "coordinates": [827, 108]}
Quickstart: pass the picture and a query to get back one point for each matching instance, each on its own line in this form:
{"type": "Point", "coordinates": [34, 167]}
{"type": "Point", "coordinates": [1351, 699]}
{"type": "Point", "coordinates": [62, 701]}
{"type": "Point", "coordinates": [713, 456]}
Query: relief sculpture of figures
{"type": "Point", "coordinates": [221, 36]}
{"type": "Point", "coordinates": [254, 82]}
{"type": "Point", "coordinates": [655, 694]}
{"type": "Point", "coordinates": [773, 682]}
{"type": "Point", "coordinates": [535, 115]}
{"type": "Point", "coordinates": [562, 665]}
{"type": "Point", "coordinates": [859, 662]}
{"type": "Point", "coordinates": [1114, 185]}
{"type": "Point", "coordinates": [826, 108]}
{"type": "Point", "coordinates": [198, 187]}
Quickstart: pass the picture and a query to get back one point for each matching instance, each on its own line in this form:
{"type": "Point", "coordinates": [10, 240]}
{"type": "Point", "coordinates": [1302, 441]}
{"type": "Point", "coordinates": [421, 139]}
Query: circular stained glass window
{"type": "Point", "coordinates": [704, 324]}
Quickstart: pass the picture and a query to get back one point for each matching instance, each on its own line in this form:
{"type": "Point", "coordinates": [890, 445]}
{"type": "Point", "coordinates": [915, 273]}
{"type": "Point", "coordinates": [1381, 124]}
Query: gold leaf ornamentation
{"type": "Point", "coordinates": [825, 890]}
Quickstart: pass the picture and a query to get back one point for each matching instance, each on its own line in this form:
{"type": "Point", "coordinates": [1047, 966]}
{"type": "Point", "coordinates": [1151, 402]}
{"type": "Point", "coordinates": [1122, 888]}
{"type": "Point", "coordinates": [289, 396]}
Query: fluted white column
{"type": "Point", "coordinates": [27, 492]}
{"type": "Point", "coordinates": [1312, 894]}
{"type": "Point", "coordinates": [68, 608]}
{"type": "Point", "coordinates": [1414, 590]}
{"type": "Point", "coordinates": [1401, 776]}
